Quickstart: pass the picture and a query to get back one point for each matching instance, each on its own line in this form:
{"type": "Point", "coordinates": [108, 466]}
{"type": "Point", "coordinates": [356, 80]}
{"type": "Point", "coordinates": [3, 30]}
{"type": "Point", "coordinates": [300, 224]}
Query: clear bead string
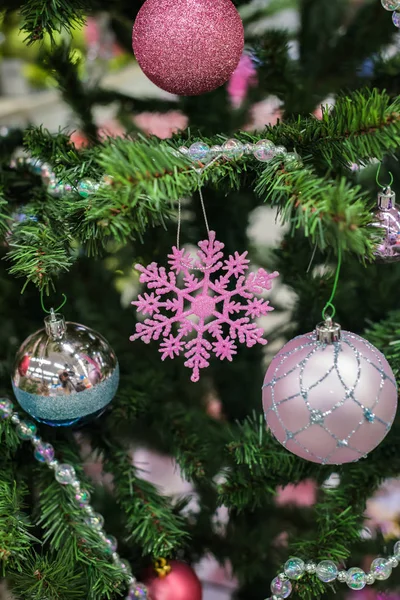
{"type": "Point", "coordinates": [328, 572]}
{"type": "Point", "coordinates": [199, 152]}
{"type": "Point", "coordinates": [281, 587]}
{"type": "Point", "coordinates": [394, 7]}
{"type": "Point", "coordinates": [65, 475]}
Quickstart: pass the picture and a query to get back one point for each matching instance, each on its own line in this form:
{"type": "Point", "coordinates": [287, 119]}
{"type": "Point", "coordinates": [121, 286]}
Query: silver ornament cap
{"type": "Point", "coordinates": [328, 332]}
{"type": "Point", "coordinates": [386, 198]}
{"type": "Point", "coordinates": [55, 325]}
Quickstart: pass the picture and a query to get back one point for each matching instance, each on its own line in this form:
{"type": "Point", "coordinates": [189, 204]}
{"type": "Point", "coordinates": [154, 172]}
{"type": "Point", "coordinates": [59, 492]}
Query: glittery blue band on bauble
{"type": "Point", "coordinates": [69, 406]}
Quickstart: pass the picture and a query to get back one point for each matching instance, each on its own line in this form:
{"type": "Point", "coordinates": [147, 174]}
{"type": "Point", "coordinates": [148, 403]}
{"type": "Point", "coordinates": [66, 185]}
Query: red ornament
{"type": "Point", "coordinates": [188, 47]}
{"type": "Point", "coordinates": [181, 583]}
{"type": "Point", "coordinates": [24, 365]}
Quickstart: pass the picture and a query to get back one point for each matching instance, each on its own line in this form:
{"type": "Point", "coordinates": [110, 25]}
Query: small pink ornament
{"type": "Point", "coordinates": [188, 47]}
{"type": "Point", "coordinates": [329, 400]}
{"type": "Point", "coordinates": [387, 217]}
{"type": "Point", "coordinates": [206, 304]}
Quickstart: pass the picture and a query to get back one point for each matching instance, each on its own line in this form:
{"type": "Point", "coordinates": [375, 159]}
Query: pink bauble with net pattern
{"type": "Point", "coordinates": [330, 403]}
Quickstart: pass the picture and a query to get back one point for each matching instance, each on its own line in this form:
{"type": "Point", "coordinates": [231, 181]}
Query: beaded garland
{"type": "Point", "coordinates": [328, 572]}
{"type": "Point", "coordinates": [65, 475]}
{"type": "Point", "coordinates": [199, 152]}
{"type": "Point", "coordinates": [281, 587]}
{"type": "Point", "coordinates": [394, 7]}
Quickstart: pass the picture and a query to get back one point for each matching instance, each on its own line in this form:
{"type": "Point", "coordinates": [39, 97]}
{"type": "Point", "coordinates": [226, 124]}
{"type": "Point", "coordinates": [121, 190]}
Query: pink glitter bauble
{"type": "Point", "coordinates": [188, 47]}
{"type": "Point", "coordinates": [329, 403]}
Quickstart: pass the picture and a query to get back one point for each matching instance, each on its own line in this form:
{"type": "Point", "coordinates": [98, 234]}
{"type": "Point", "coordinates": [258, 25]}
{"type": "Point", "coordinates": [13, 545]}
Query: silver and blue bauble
{"type": "Point", "coordinates": [65, 374]}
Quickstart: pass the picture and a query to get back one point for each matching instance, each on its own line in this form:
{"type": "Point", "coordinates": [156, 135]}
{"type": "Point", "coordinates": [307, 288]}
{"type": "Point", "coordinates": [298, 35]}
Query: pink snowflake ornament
{"type": "Point", "coordinates": [213, 310]}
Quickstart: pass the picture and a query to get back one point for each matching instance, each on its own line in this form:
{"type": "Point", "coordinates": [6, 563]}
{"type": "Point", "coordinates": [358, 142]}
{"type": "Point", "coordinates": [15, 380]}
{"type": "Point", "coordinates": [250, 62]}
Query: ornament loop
{"type": "Point", "coordinates": [377, 178]}
{"type": "Point", "coordinates": [49, 312]}
{"type": "Point", "coordinates": [335, 284]}
{"type": "Point", "coordinates": [162, 567]}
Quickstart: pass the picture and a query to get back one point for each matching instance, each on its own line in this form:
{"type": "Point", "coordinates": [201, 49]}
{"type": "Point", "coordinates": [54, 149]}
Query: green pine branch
{"type": "Point", "coordinates": [63, 64]}
{"type": "Point", "coordinates": [15, 527]}
{"type": "Point", "coordinates": [149, 517]}
{"type": "Point", "coordinates": [48, 575]}
{"type": "Point", "coordinates": [40, 17]}
{"type": "Point", "coordinates": [65, 531]}
{"type": "Point", "coordinates": [148, 176]}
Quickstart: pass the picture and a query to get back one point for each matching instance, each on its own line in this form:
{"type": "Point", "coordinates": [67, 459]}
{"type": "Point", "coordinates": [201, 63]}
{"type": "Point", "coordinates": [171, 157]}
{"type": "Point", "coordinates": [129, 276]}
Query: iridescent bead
{"type": "Point", "coordinates": [107, 180]}
{"type": "Point", "coordinates": [96, 521]}
{"type": "Point", "coordinates": [6, 408]}
{"type": "Point", "coordinates": [381, 569]}
{"type": "Point", "coordinates": [86, 187]}
{"type": "Point", "coordinates": [342, 576]}
{"type": "Point", "coordinates": [311, 567]}
{"type": "Point", "coordinates": [26, 430]}
{"type": "Point", "coordinates": [233, 150]}
{"type": "Point", "coordinates": [393, 562]}
{"type": "Point", "coordinates": [82, 497]}
{"type": "Point", "coordinates": [111, 544]}
{"type": "Point", "coordinates": [216, 150]}
{"type": "Point", "coordinates": [292, 161]}
{"type": "Point", "coordinates": [68, 188]}
{"type": "Point", "coordinates": [55, 188]}
{"type": "Point", "coordinates": [390, 4]}
{"type": "Point", "coordinates": [138, 592]}
{"type": "Point", "coordinates": [294, 568]}
{"type": "Point", "coordinates": [65, 474]}
{"type": "Point", "coordinates": [36, 166]}
{"type": "Point", "coordinates": [44, 452]}
{"type": "Point", "coordinates": [199, 151]}
{"type": "Point", "coordinates": [281, 588]}
{"type": "Point", "coordinates": [46, 173]}
{"type": "Point", "coordinates": [264, 150]}
{"type": "Point", "coordinates": [370, 579]}
{"type": "Point", "coordinates": [249, 148]}
{"type": "Point", "coordinates": [280, 150]}
{"type": "Point", "coordinates": [356, 578]}
{"type": "Point", "coordinates": [327, 571]}
{"type": "Point", "coordinates": [183, 150]}
{"type": "Point", "coordinates": [15, 419]}
{"type": "Point", "coordinates": [396, 550]}
{"type": "Point", "coordinates": [396, 19]}
{"type": "Point", "coordinates": [125, 566]}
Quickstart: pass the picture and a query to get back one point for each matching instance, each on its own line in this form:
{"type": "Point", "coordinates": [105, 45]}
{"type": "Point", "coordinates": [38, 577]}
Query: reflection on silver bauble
{"type": "Point", "coordinates": [65, 373]}
{"type": "Point", "coordinates": [387, 218]}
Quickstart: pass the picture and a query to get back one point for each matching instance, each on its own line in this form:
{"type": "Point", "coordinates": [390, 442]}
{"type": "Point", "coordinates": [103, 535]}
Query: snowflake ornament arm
{"type": "Point", "coordinates": [211, 306]}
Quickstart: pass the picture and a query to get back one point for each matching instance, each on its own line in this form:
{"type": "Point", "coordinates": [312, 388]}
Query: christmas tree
{"type": "Point", "coordinates": [119, 220]}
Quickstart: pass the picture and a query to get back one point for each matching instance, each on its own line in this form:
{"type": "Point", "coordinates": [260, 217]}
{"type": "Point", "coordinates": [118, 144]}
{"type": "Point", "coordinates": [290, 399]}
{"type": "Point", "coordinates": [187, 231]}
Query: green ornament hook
{"type": "Point", "coordinates": [378, 172]}
{"type": "Point", "coordinates": [330, 304]}
{"type": "Point", "coordinates": [52, 310]}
